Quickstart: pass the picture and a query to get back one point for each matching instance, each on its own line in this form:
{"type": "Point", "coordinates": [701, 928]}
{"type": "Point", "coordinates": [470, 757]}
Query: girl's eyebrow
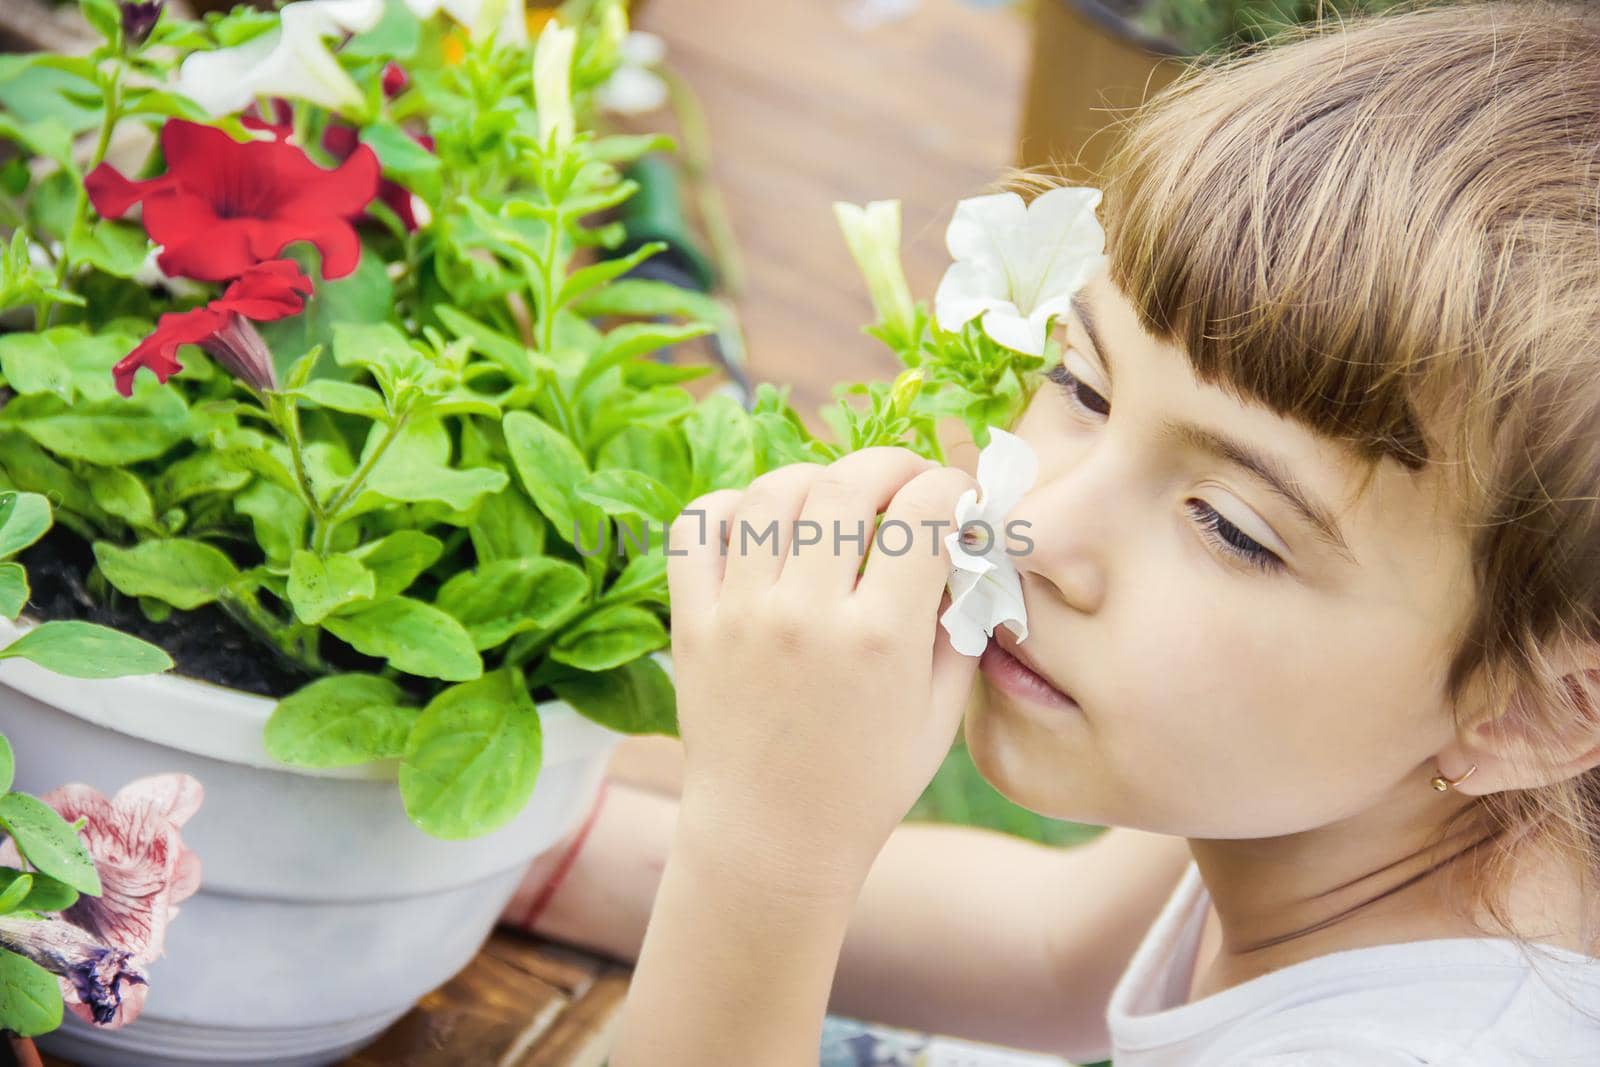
{"type": "Point", "coordinates": [1271, 472]}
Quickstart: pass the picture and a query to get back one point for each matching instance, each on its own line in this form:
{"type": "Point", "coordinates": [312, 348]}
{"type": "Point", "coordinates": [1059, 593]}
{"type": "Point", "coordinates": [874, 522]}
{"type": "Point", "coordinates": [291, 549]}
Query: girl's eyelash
{"type": "Point", "coordinates": [1223, 534]}
{"type": "Point", "coordinates": [1232, 540]}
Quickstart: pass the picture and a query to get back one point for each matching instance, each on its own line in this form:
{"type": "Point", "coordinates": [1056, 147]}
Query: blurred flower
{"type": "Point", "coordinates": [139, 18]}
{"type": "Point", "coordinates": [264, 293]}
{"type": "Point", "coordinates": [478, 16]}
{"type": "Point", "coordinates": [91, 973]}
{"type": "Point", "coordinates": [224, 206]}
{"type": "Point", "coordinates": [103, 943]}
{"type": "Point", "coordinates": [634, 88]}
{"type": "Point", "coordinates": [395, 79]}
{"type": "Point", "coordinates": [290, 61]}
{"type": "Point", "coordinates": [985, 590]}
{"type": "Point", "coordinates": [873, 234]}
{"type": "Point", "coordinates": [1017, 264]}
{"type": "Point", "coordinates": [552, 82]}
{"type": "Point", "coordinates": [280, 125]}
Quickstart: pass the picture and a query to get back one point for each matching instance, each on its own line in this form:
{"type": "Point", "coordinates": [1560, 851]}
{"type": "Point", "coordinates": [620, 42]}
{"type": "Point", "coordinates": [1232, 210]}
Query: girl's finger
{"type": "Point", "coordinates": [839, 515]}
{"type": "Point", "coordinates": [923, 513]}
{"type": "Point", "coordinates": [695, 555]}
{"type": "Point", "coordinates": [761, 529]}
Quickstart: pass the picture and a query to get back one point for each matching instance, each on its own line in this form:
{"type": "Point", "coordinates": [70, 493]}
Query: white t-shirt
{"type": "Point", "coordinates": [1461, 1002]}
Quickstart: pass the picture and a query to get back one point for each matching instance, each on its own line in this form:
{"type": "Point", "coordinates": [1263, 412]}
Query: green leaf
{"type": "Point", "coordinates": [103, 15]}
{"type": "Point", "coordinates": [24, 518]}
{"type": "Point", "coordinates": [636, 698]}
{"type": "Point", "coordinates": [721, 444]}
{"type": "Point", "coordinates": [417, 468]}
{"type": "Point", "coordinates": [118, 248]}
{"type": "Point", "coordinates": [339, 721]}
{"type": "Point", "coordinates": [30, 996]}
{"type": "Point", "coordinates": [109, 433]}
{"type": "Point", "coordinates": [403, 159]}
{"type": "Point", "coordinates": [277, 517]}
{"type": "Point", "coordinates": [635, 339]}
{"type": "Point", "coordinates": [642, 298]}
{"type": "Point", "coordinates": [511, 355]}
{"type": "Point", "coordinates": [659, 451]}
{"type": "Point", "coordinates": [396, 36]}
{"type": "Point", "coordinates": [201, 474]}
{"type": "Point", "coordinates": [14, 591]}
{"type": "Point", "coordinates": [473, 757]}
{"type": "Point", "coordinates": [44, 893]}
{"type": "Point", "coordinates": [30, 365]}
{"type": "Point", "coordinates": [87, 650]}
{"type": "Point", "coordinates": [364, 296]}
{"type": "Point", "coordinates": [184, 573]}
{"type": "Point", "coordinates": [414, 637]}
{"type": "Point", "coordinates": [502, 599]}
{"type": "Point", "coordinates": [610, 637]}
{"type": "Point", "coordinates": [627, 492]}
{"type": "Point", "coordinates": [623, 148]}
{"type": "Point", "coordinates": [643, 579]}
{"type": "Point", "coordinates": [8, 764]}
{"type": "Point", "coordinates": [121, 494]}
{"type": "Point", "coordinates": [551, 467]}
{"type": "Point", "coordinates": [396, 560]}
{"type": "Point", "coordinates": [48, 842]}
{"type": "Point", "coordinates": [584, 279]}
{"type": "Point", "coordinates": [320, 586]}
{"type": "Point", "coordinates": [12, 896]}
{"type": "Point", "coordinates": [344, 396]}
{"type": "Point", "coordinates": [507, 526]}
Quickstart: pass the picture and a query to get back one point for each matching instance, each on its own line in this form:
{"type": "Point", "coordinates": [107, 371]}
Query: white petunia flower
{"type": "Point", "coordinates": [478, 15]}
{"type": "Point", "coordinates": [1017, 264]}
{"type": "Point", "coordinates": [985, 589]}
{"type": "Point", "coordinates": [290, 61]}
{"type": "Point", "coordinates": [634, 88]}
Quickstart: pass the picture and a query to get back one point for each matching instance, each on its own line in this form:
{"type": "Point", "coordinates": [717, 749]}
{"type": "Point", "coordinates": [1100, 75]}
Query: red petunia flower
{"type": "Point", "coordinates": [223, 206]}
{"type": "Point", "coordinates": [265, 292]}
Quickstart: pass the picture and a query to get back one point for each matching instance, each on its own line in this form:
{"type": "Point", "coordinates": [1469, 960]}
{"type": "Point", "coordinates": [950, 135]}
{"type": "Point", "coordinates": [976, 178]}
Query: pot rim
{"type": "Point", "coordinates": [205, 719]}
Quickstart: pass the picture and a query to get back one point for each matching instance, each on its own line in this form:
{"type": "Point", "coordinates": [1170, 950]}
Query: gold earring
{"type": "Point", "coordinates": [1441, 783]}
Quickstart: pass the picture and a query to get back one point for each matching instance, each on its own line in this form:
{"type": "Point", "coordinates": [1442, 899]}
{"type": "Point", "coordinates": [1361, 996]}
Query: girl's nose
{"type": "Point", "coordinates": [1070, 516]}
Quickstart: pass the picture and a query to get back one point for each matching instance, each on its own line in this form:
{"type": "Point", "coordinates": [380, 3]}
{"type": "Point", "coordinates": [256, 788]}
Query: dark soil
{"type": "Point", "coordinates": [206, 643]}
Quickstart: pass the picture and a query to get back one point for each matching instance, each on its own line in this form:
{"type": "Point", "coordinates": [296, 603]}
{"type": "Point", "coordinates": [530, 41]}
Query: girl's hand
{"type": "Point", "coordinates": [814, 709]}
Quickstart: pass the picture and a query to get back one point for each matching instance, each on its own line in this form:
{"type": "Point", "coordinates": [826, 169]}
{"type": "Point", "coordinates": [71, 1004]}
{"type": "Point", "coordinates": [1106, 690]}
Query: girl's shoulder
{"type": "Point", "coordinates": [1462, 1001]}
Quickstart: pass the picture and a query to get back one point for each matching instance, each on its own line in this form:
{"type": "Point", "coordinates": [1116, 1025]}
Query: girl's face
{"type": "Point", "coordinates": [1252, 646]}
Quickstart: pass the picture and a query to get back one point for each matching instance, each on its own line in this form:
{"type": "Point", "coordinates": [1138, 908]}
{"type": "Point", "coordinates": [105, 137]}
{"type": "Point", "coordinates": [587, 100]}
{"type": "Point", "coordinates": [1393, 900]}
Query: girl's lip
{"type": "Point", "coordinates": [1012, 676]}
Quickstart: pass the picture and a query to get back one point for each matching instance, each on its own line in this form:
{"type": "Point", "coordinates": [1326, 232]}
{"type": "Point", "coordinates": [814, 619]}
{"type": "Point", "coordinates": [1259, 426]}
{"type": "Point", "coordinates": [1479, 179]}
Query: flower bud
{"type": "Point", "coordinates": [906, 387]}
{"type": "Point", "coordinates": [552, 82]}
{"type": "Point", "coordinates": [139, 18]}
{"type": "Point", "coordinates": [873, 234]}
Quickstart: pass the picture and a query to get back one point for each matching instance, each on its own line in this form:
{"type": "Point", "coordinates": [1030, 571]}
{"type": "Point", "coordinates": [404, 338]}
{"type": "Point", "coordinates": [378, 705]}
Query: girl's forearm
{"type": "Point", "coordinates": [737, 963]}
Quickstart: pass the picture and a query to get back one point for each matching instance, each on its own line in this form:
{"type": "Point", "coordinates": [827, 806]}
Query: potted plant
{"type": "Point", "coordinates": [312, 340]}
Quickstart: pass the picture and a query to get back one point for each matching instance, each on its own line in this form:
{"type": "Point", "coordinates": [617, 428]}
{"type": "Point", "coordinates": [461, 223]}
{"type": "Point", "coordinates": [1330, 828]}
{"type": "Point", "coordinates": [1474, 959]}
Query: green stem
{"type": "Point", "coordinates": [285, 415]}
{"type": "Point", "coordinates": [352, 488]}
{"type": "Point", "coordinates": [45, 311]}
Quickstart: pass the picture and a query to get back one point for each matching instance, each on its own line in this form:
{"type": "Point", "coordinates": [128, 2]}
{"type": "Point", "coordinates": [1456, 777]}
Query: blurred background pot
{"type": "Point", "coordinates": [323, 913]}
{"type": "Point", "coordinates": [1090, 62]}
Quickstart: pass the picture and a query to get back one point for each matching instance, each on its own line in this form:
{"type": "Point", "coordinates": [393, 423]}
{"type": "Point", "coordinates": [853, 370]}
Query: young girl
{"type": "Point", "coordinates": [1313, 610]}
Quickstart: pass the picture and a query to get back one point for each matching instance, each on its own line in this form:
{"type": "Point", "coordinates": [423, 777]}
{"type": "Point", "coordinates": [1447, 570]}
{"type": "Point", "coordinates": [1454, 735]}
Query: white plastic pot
{"type": "Point", "coordinates": [323, 913]}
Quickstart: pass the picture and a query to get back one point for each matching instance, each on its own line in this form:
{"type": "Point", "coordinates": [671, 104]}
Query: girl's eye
{"type": "Point", "coordinates": [1232, 540]}
{"type": "Point", "coordinates": [1080, 393]}
{"type": "Point", "coordinates": [1218, 530]}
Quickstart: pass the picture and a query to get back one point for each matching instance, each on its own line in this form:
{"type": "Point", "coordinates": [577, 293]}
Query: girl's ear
{"type": "Point", "coordinates": [1529, 745]}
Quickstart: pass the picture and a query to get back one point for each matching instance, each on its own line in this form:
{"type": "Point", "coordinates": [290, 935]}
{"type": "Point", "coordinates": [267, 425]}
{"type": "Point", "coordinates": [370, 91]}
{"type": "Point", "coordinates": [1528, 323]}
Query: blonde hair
{"type": "Point", "coordinates": [1388, 229]}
